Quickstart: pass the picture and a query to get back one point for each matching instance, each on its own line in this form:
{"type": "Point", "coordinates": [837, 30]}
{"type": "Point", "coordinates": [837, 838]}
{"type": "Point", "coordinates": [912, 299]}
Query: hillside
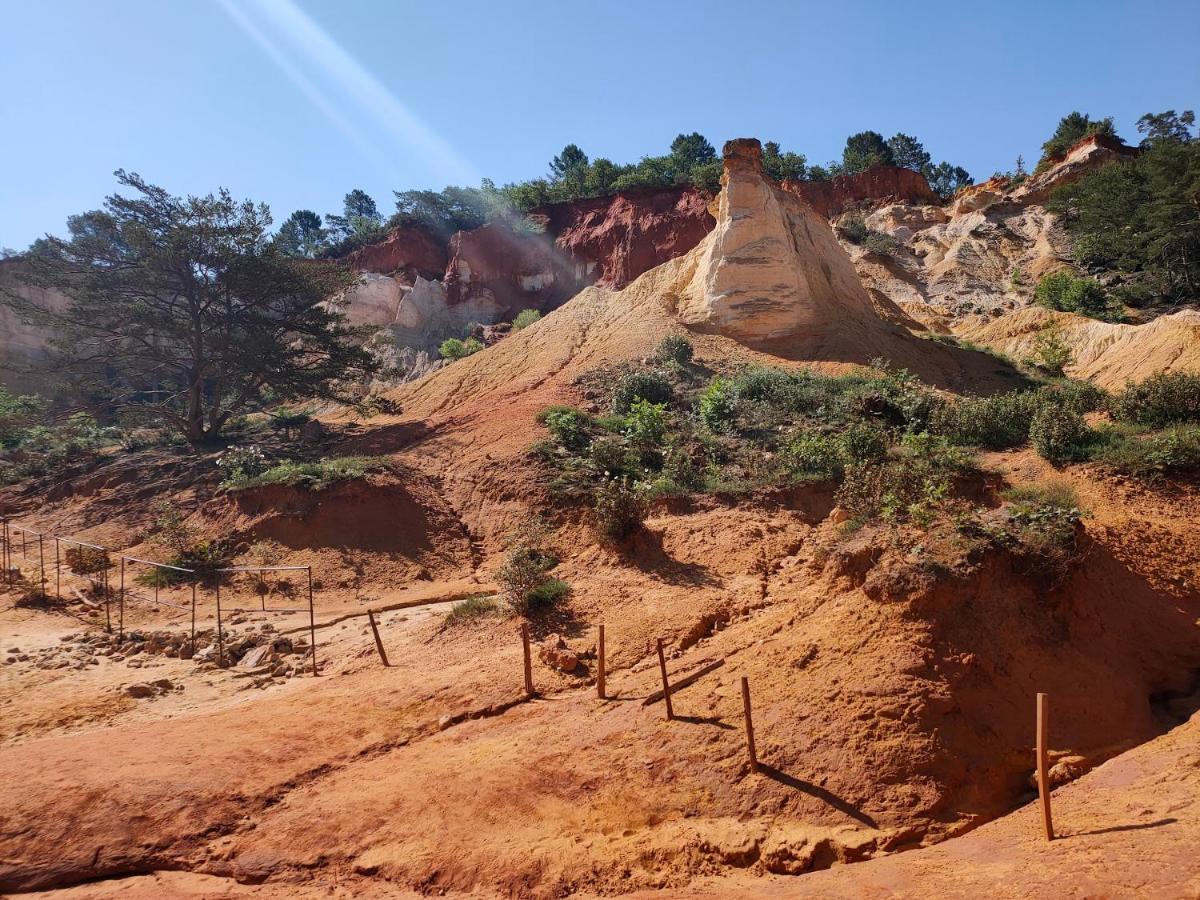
{"type": "Point", "coordinates": [892, 665]}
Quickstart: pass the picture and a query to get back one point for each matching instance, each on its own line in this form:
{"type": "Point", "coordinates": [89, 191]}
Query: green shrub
{"type": "Point", "coordinates": [813, 455]}
{"type": "Point", "coordinates": [1059, 435]}
{"type": "Point", "coordinates": [454, 349]}
{"type": "Point", "coordinates": [881, 244]}
{"type": "Point", "coordinates": [652, 386]}
{"type": "Point", "coordinates": [1069, 293]}
{"type": "Point", "coordinates": [717, 406]}
{"type": "Point", "coordinates": [1051, 353]}
{"type": "Point", "coordinates": [568, 425]}
{"type": "Point", "coordinates": [1077, 396]}
{"type": "Point", "coordinates": [996, 423]}
{"type": "Point", "coordinates": [863, 442]}
{"type": "Point", "coordinates": [646, 425]}
{"type": "Point", "coordinates": [610, 457]}
{"type": "Point", "coordinates": [1175, 451]}
{"type": "Point", "coordinates": [548, 593]}
{"type": "Point", "coordinates": [620, 509]}
{"type": "Point", "coordinates": [1168, 398]}
{"type": "Point", "coordinates": [1042, 522]}
{"type": "Point", "coordinates": [525, 318]}
{"type": "Point", "coordinates": [314, 476]}
{"type": "Point", "coordinates": [680, 470]}
{"type": "Point", "coordinates": [470, 610]}
{"type": "Point", "coordinates": [525, 570]}
{"type": "Point", "coordinates": [908, 486]}
{"type": "Point", "coordinates": [854, 229]}
{"type": "Point", "coordinates": [240, 464]}
{"type": "Point", "coordinates": [674, 349]}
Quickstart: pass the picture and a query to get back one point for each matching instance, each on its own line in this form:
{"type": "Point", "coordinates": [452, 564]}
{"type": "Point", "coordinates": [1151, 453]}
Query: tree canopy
{"type": "Point", "coordinates": [1071, 129]}
{"type": "Point", "coordinates": [1139, 216]}
{"type": "Point", "coordinates": [183, 312]}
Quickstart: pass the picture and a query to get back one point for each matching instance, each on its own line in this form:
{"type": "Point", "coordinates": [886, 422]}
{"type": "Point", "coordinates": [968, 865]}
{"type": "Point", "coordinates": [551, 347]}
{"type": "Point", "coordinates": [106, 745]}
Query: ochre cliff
{"type": "Point", "coordinates": [878, 184]}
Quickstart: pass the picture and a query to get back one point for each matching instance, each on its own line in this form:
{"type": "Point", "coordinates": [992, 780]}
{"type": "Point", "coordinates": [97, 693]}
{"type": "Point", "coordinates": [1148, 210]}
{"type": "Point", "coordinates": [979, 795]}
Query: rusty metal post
{"type": "Point", "coordinates": [1043, 777]}
{"type": "Point", "coordinates": [57, 572]}
{"type": "Point", "coordinates": [662, 665]}
{"type": "Point", "coordinates": [4, 553]}
{"type": "Point", "coordinates": [528, 659]}
{"type": "Point", "coordinates": [262, 591]}
{"type": "Point", "coordinates": [600, 666]}
{"type": "Point", "coordinates": [378, 640]}
{"type": "Point", "coordinates": [42, 563]}
{"type": "Point", "coordinates": [749, 724]}
{"type": "Point", "coordinates": [220, 637]}
{"type": "Point", "coordinates": [193, 617]}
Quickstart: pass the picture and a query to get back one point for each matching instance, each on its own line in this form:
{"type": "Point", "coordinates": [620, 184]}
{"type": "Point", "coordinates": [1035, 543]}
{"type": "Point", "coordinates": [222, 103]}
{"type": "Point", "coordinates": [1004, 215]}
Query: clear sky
{"type": "Point", "coordinates": [295, 102]}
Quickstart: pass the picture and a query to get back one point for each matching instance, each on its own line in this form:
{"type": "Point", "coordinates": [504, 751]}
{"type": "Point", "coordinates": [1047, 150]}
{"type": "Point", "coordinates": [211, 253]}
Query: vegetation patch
{"type": "Point", "coordinates": [314, 476]}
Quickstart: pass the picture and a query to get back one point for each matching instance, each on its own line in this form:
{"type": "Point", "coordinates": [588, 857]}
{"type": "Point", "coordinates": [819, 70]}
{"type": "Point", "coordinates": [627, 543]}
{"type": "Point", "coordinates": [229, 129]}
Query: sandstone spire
{"type": "Point", "coordinates": [771, 268]}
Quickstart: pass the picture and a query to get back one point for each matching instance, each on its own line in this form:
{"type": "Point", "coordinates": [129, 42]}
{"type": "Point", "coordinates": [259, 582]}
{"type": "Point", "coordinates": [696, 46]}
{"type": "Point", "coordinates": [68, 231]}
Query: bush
{"type": "Point", "coordinates": [1059, 435]}
{"type": "Point", "coordinates": [1165, 399]}
{"type": "Point", "coordinates": [995, 423]}
{"type": "Point", "coordinates": [1067, 293]}
{"type": "Point", "coordinates": [568, 425]}
{"type": "Point", "coordinates": [652, 386]}
{"type": "Point", "coordinates": [1042, 521]}
{"type": "Point", "coordinates": [854, 229]}
{"type": "Point", "coordinates": [314, 476]}
{"type": "Point", "coordinates": [881, 244]}
{"type": "Point", "coordinates": [453, 349]}
{"type": "Point", "coordinates": [1175, 451]}
{"type": "Point", "coordinates": [525, 318]}
{"type": "Point", "coordinates": [620, 509]}
{"type": "Point", "coordinates": [1077, 396]}
{"type": "Point", "coordinates": [680, 470]}
{"type": "Point", "coordinates": [813, 455]}
{"type": "Point", "coordinates": [908, 486]}
{"type": "Point", "coordinates": [646, 425]}
{"type": "Point", "coordinates": [674, 349]}
{"type": "Point", "coordinates": [610, 457]}
{"type": "Point", "coordinates": [717, 406]}
{"type": "Point", "coordinates": [1051, 353]}
{"type": "Point", "coordinates": [863, 442]}
{"type": "Point", "coordinates": [549, 592]}
{"type": "Point", "coordinates": [470, 610]}
{"type": "Point", "coordinates": [524, 572]}
{"type": "Point", "coordinates": [240, 464]}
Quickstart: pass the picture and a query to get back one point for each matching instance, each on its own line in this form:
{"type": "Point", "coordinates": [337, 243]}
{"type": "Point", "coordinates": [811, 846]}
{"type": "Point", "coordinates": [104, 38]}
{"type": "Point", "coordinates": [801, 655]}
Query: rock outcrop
{"type": "Point", "coordinates": [772, 268]}
{"type": "Point", "coordinates": [407, 250]}
{"type": "Point", "coordinates": [615, 239]}
{"type": "Point", "coordinates": [1089, 154]}
{"type": "Point", "coordinates": [878, 184]}
{"type": "Point", "coordinates": [511, 268]}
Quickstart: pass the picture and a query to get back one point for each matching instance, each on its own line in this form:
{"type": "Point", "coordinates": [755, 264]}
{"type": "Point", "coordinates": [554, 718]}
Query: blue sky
{"type": "Point", "coordinates": [295, 102]}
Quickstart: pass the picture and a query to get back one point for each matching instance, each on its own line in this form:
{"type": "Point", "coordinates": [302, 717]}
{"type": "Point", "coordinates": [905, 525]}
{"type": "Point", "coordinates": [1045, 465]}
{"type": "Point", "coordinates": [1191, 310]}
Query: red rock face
{"type": "Point", "coordinates": [414, 251]}
{"type": "Point", "coordinates": [521, 270]}
{"type": "Point", "coordinates": [612, 240]}
{"type": "Point", "coordinates": [877, 184]}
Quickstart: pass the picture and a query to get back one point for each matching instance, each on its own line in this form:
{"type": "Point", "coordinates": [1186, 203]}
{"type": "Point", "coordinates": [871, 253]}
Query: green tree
{"type": "Point", "coordinates": [781, 166]}
{"type": "Point", "coordinates": [301, 234]}
{"type": "Point", "coordinates": [1072, 128]}
{"type": "Point", "coordinates": [908, 152]}
{"type": "Point", "coordinates": [945, 179]}
{"type": "Point", "coordinates": [442, 212]}
{"type": "Point", "coordinates": [1139, 217]}
{"type": "Point", "coordinates": [692, 150]}
{"type": "Point", "coordinates": [184, 313]}
{"type": "Point", "coordinates": [865, 149]}
{"type": "Point", "coordinates": [1166, 126]}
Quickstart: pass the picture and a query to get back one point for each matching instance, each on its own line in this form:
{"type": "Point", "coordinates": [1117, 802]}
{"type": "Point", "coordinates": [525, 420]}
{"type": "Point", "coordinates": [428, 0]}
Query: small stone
{"type": "Point", "coordinates": [139, 690]}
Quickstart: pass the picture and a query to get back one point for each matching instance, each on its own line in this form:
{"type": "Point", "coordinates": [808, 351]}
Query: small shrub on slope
{"type": "Point", "coordinates": [1169, 398]}
{"type": "Point", "coordinates": [1059, 435]}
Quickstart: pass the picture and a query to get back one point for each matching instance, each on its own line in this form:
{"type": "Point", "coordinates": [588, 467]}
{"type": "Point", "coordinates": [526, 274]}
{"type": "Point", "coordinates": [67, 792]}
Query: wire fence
{"type": "Point", "coordinates": [93, 563]}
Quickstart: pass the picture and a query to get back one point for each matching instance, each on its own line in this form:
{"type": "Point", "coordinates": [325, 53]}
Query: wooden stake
{"type": "Point", "coordinates": [600, 667]}
{"type": "Point", "coordinates": [378, 641]}
{"type": "Point", "coordinates": [662, 665]}
{"type": "Point", "coordinates": [528, 660]}
{"type": "Point", "coordinates": [1043, 777]}
{"type": "Point", "coordinates": [749, 724]}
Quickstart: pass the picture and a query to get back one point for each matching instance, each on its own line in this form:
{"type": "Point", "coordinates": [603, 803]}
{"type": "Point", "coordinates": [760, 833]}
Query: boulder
{"type": "Point", "coordinates": [555, 653]}
{"type": "Point", "coordinates": [408, 250]}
